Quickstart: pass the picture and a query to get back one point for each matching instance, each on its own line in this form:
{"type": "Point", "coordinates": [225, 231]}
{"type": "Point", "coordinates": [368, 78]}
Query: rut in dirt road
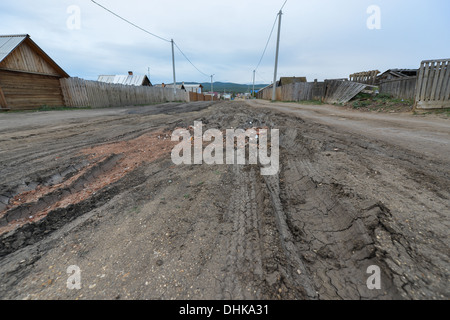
{"type": "Point", "coordinates": [340, 203]}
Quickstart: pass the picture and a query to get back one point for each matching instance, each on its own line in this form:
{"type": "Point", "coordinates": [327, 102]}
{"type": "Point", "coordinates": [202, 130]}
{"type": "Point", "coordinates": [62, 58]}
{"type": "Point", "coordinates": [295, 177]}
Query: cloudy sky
{"type": "Point", "coordinates": [320, 39]}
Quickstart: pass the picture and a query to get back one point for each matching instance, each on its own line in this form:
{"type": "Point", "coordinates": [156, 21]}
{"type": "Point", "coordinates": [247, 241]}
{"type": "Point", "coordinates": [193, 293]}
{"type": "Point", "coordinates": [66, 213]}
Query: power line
{"type": "Point", "coordinates": [267, 44]}
{"type": "Point", "coordinates": [270, 36]}
{"type": "Point", "coordinates": [262, 78]}
{"type": "Point", "coordinates": [152, 34]}
{"type": "Point", "coordinates": [133, 24]}
{"type": "Point", "coordinates": [191, 61]}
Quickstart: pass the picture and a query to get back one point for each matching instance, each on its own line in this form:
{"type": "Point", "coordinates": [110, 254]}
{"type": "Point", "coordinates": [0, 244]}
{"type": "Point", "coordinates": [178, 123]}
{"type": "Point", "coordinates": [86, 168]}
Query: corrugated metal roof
{"type": "Point", "coordinates": [9, 43]}
{"type": "Point", "coordinates": [134, 80]}
{"type": "Point", "coordinates": [178, 86]}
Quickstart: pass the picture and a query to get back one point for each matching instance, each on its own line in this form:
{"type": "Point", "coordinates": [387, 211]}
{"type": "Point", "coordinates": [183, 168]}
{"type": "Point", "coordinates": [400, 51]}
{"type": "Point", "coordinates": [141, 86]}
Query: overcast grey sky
{"type": "Point", "coordinates": [319, 39]}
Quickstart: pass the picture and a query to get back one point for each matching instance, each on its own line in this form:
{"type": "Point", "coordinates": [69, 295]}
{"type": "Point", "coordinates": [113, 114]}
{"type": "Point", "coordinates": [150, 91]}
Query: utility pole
{"type": "Point", "coordinates": [212, 87]}
{"type": "Point", "coordinates": [253, 93]}
{"type": "Point", "coordinates": [174, 73]}
{"type": "Point", "coordinates": [274, 94]}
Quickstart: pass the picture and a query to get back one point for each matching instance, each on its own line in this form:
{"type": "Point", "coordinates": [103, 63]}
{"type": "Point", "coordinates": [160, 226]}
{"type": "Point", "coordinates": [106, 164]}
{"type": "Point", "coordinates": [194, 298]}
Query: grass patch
{"type": "Point", "coordinates": [361, 104]}
{"type": "Point", "coordinates": [380, 103]}
{"type": "Point", "coordinates": [47, 108]}
{"type": "Point", "coordinates": [439, 112]}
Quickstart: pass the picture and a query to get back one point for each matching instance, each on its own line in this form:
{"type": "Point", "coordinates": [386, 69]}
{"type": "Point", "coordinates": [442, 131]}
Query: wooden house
{"type": "Point", "coordinates": [198, 88]}
{"type": "Point", "coordinates": [29, 78]}
{"type": "Point", "coordinates": [289, 80]}
{"type": "Point", "coordinates": [396, 74]}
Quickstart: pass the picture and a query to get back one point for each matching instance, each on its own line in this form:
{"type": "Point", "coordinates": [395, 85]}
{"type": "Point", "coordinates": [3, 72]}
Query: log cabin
{"type": "Point", "coordinates": [29, 78]}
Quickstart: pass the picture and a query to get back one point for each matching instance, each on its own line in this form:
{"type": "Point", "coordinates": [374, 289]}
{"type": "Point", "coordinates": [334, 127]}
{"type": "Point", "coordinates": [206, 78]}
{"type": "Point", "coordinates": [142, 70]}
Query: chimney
{"type": "Point", "coordinates": [130, 73]}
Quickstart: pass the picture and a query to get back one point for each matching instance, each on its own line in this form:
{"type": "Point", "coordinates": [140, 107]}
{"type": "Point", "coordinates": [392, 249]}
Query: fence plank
{"type": "Point", "coordinates": [433, 87]}
{"type": "Point", "coordinates": [425, 82]}
{"type": "Point", "coordinates": [404, 88]}
{"type": "Point", "coordinates": [82, 93]}
{"type": "Point", "coordinates": [445, 86]}
{"type": "Point", "coordinates": [437, 73]}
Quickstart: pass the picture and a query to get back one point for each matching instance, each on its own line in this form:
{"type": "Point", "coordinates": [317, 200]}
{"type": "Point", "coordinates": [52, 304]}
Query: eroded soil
{"type": "Point", "coordinates": [98, 189]}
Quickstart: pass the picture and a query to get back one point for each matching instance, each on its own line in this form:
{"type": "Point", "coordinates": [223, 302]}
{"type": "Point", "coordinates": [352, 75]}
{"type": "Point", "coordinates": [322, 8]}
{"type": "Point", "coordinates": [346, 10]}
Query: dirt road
{"type": "Point", "coordinates": [97, 189]}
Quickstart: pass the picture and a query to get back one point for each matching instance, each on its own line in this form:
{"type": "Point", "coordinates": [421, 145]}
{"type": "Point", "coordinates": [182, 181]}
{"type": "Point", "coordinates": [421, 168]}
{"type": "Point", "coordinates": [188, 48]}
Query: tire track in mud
{"type": "Point", "coordinates": [333, 238]}
{"type": "Point", "coordinates": [338, 205]}
{"type": "Point", "coordinates": [330, 234]}
{"type": "Point", "coordinates": [243, 260]}
{"type": "Point", "coordinates": [257, 264]}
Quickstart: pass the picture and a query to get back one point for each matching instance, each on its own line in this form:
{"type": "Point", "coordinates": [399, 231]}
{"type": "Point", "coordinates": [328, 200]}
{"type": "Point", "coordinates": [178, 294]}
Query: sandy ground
{"type": "Point", "coordinates": [97, 189]}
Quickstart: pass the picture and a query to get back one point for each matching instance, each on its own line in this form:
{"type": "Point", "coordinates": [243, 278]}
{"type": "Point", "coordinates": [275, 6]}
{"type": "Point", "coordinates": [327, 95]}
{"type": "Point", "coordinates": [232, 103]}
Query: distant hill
{"type": "Point", "coordinates": [229, 87]}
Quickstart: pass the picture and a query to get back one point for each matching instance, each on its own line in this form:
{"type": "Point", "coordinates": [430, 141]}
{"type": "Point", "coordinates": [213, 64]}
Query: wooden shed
{"type": "Point", "coordinates": [396, 74]}
{"type": "Point", "coordinates": [29, 78]}
{"type": "Point", "coordinates": [289, 80]}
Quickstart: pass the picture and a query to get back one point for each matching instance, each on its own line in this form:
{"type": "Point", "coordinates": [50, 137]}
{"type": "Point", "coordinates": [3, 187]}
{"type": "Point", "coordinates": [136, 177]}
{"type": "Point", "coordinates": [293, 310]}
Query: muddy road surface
{"type": "Point", "coordinates": [93, 207]}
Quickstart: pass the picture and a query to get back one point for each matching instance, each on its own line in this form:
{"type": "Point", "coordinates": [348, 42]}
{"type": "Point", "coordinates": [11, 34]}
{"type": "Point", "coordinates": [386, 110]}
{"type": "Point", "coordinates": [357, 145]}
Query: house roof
{"type": "Point", "coordinates": [266, 87]}
{"type": "Point", "coordinates": [289, 80]}
{"type": "Point", "coordinates": [178, 86]}
{"type": "Point", "coordinates": [134, 80]}
{"type": "Point", "coordinates": [400, 72]}
{"type": "Point", "coordinates": [193, 86]}
{"type": "Point", "coordinates": [8, 43]}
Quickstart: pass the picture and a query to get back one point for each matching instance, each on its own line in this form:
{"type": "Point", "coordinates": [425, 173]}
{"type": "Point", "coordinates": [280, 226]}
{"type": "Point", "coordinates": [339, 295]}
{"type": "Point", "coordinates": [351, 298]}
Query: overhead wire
{"type": "Point", "coordinates": [152, 34]}
{"type": "Point", "coordinates": [190, 60]}
{"type": "Point", "coordinates": [267, 44]}
{"type": "Point", "coordinates": [133, 24]}
{"type": "Point", "coordinates": [270, 37]}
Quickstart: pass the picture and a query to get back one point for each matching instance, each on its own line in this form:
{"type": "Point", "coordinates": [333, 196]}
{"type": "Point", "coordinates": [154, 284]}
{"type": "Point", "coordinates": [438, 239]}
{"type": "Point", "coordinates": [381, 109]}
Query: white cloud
{"type": "Point", "coordinates": [320, 39]}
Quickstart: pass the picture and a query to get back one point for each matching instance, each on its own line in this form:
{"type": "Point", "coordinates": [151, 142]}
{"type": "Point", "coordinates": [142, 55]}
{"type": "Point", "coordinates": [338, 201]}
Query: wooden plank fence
{"type": "Point", "coordinates": [430, 89]}
{"type": "Point", "coordinates": [367, 77]}
{"type": "Point", "coordinates": [319, 91]}
{"type": "Point", "coordinates": [266, 93]}
{"type": "Point", "coordinates": [302, 91]}
{"type": "Point", "coordinates": [330, 91]}
{"type": "Point", "coordinates": [433, 85]}
{"type": "Point", "coordinates": [404, 88]}
{"type": "Point", "coordinates": [84, 93]}
{"type": "Point", "coordinates": [297, 91]}
{"type": "Point", "coordinates": [342, 91]}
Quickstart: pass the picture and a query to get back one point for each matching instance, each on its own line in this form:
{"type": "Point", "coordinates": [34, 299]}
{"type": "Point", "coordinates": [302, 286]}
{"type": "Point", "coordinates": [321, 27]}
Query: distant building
{"type": "Point", "coordinates": [128, 80]}
{"type": "Point", "coordinates": [393, 74]}
{"type": "Point", "coordinates": [29, 78]}
{"type": "Point", "coordinates": [288, 80]}
{"type": "Point", "coordinates": [198, 88]}
{"type": "Point", "coordinates": [170, 86]}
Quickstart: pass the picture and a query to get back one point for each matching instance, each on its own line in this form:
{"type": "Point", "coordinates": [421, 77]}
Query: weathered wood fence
{"type": "Point", "coordinates": [330, 91]}
{"type": "Point", "coordinates": [433, 85]}
{"type": "Point", "coordinates": [84, 93]}
{"type": "Point", "coordinates": [266, 93]}
{"type": "Point", "coordinates": [367, 77]}
{"type": "Point", "coordinates": [404, 88]}
{"type": "Point", "coordinates": [300, 91]}
{"type": "Point", "coordinates": [342, 91]}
